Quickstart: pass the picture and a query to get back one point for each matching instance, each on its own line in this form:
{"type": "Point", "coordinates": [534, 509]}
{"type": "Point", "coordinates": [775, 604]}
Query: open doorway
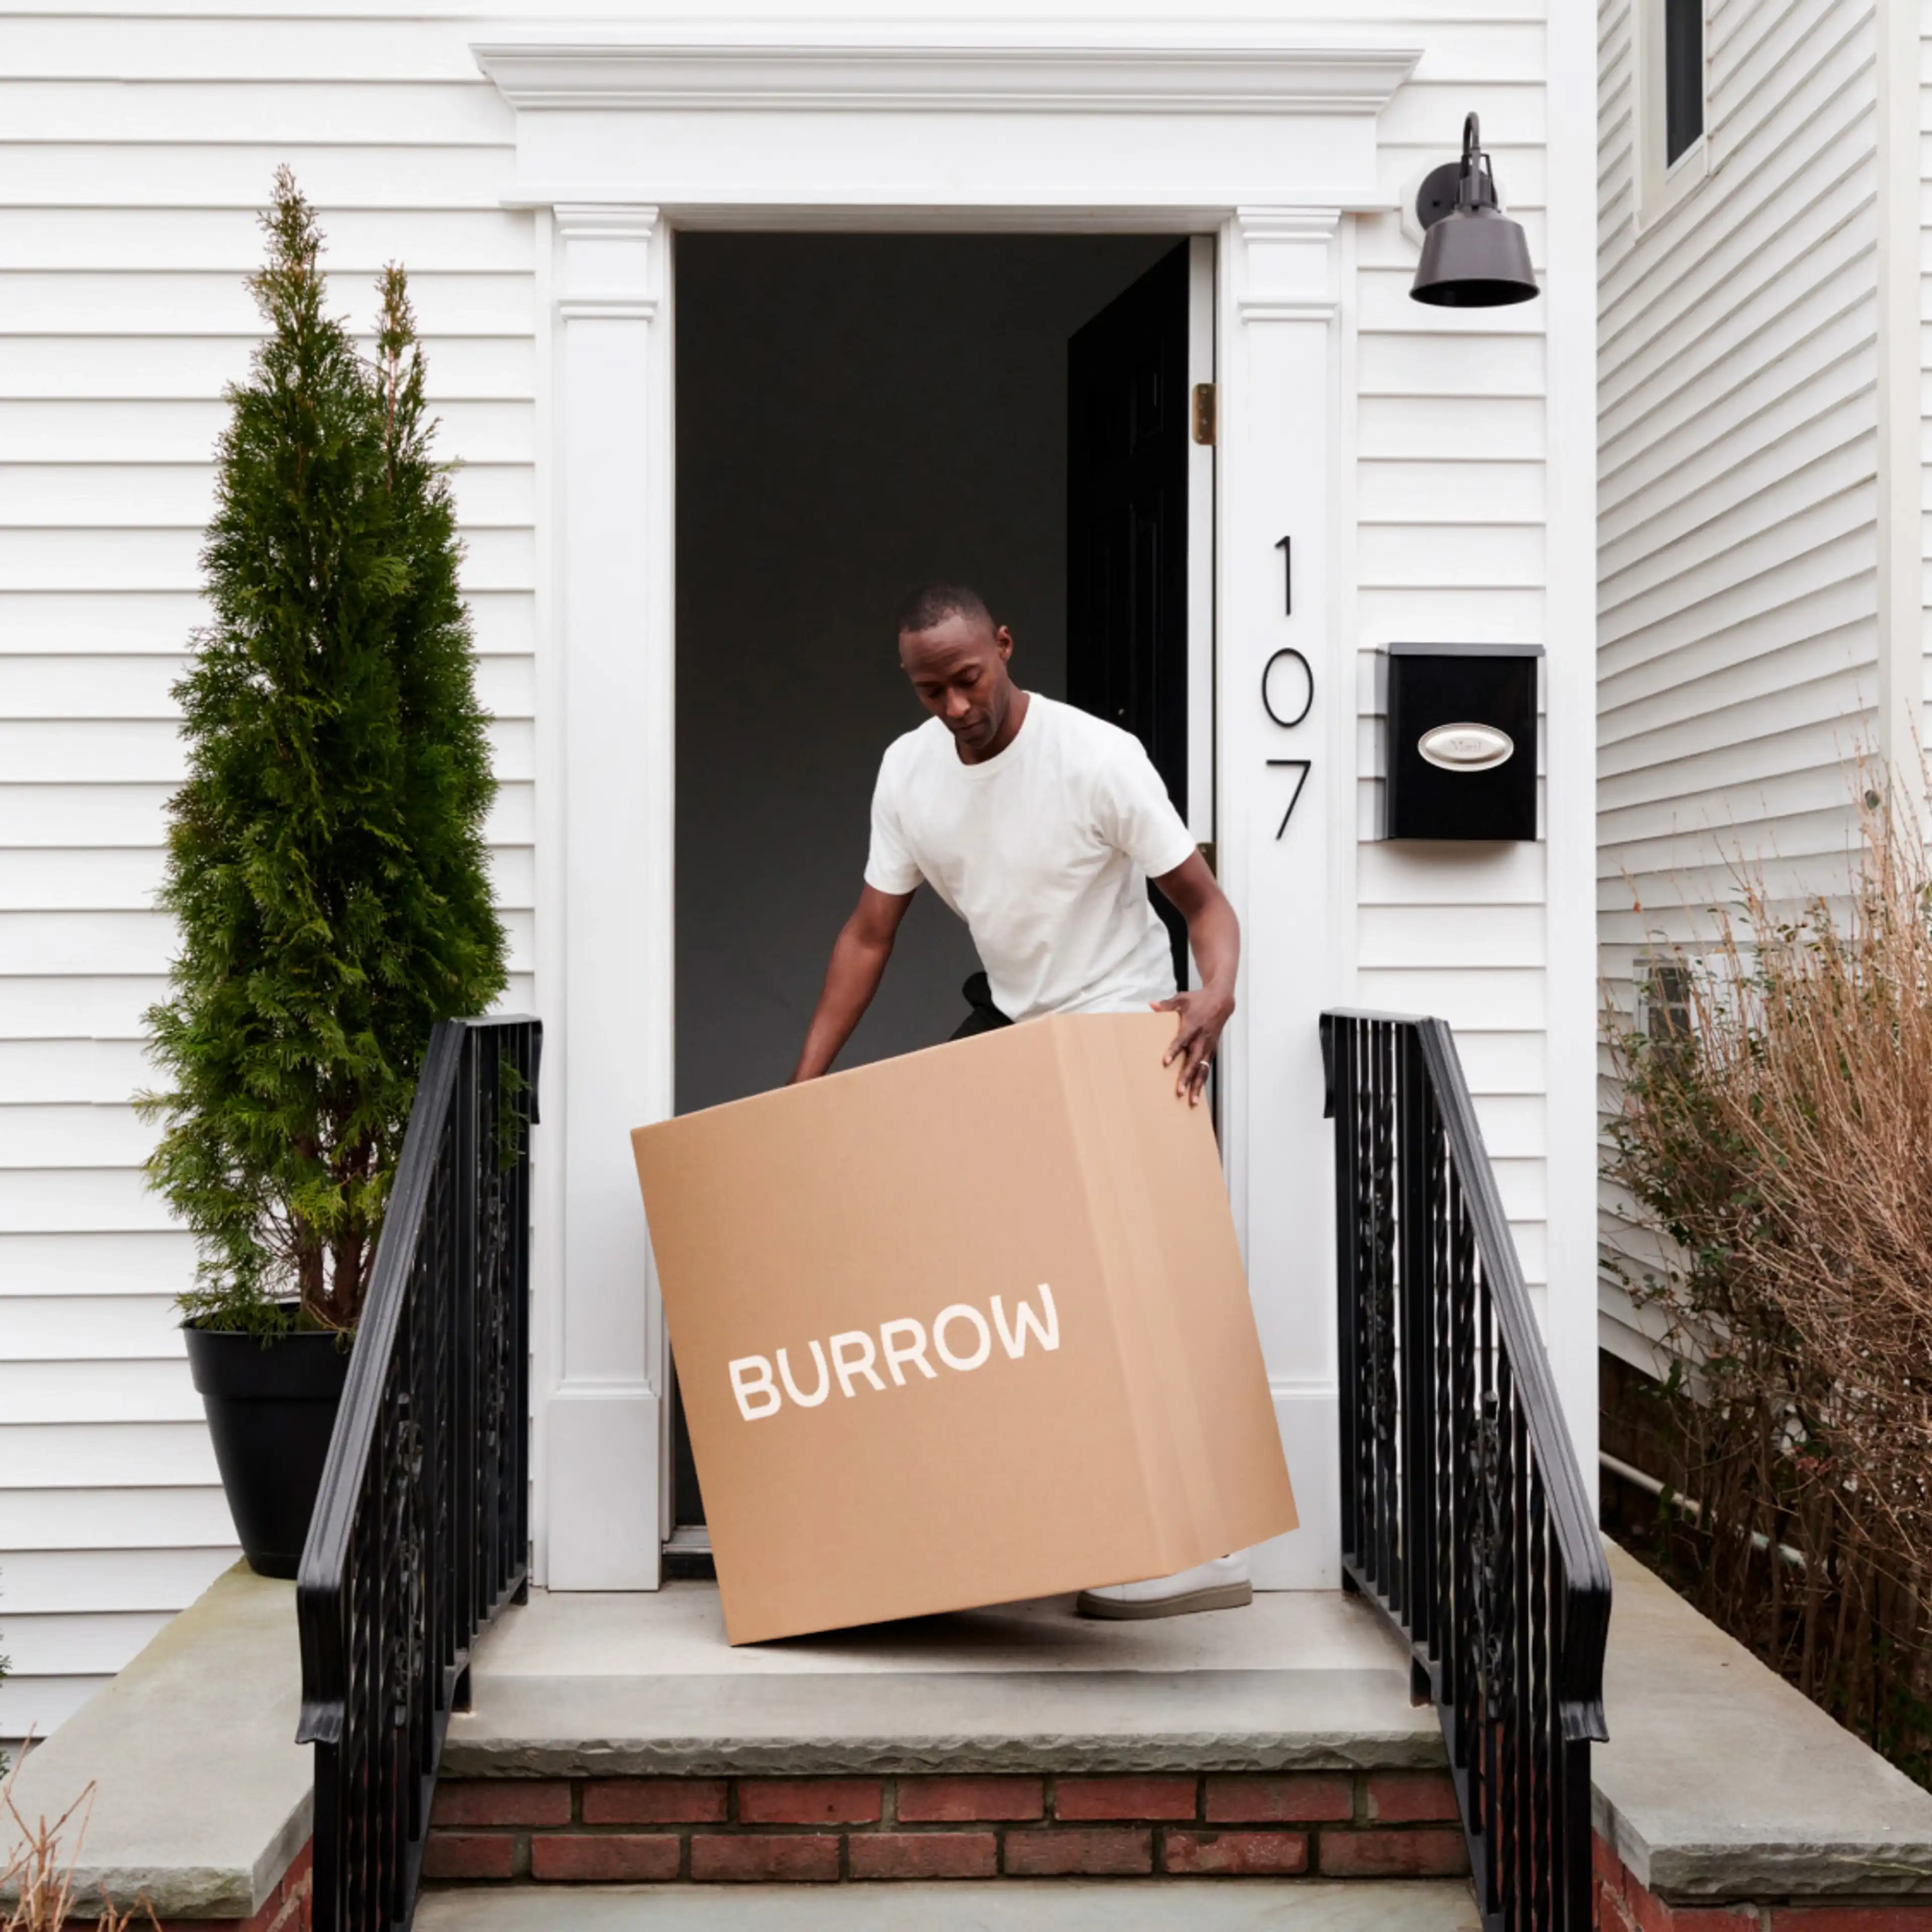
{"type": "Point", "coordinates": [856, 414]}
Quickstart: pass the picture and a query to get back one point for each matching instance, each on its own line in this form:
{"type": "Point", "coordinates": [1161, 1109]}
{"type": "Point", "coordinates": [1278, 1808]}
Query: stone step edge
{"type": "Point", "coordinates": [667, 1830]}
{"type": "Point", "coordinates": [1195, 1754]}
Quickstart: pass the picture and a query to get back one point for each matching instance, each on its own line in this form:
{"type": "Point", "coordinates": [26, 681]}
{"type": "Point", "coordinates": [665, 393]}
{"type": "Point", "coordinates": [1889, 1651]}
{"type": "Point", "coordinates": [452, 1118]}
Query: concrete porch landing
{"type": "Point", "coordinates": [630, 1684]}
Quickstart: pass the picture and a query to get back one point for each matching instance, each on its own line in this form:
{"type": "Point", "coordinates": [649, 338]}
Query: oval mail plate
{"type": "Point", "coordinates": [1466, 748]}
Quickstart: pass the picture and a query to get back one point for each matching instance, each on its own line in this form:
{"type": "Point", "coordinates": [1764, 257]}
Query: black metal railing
{"type": "Point", "coordinates": [421, 1533]}
{"type": "Point", "coordinates": [1464, 1515]}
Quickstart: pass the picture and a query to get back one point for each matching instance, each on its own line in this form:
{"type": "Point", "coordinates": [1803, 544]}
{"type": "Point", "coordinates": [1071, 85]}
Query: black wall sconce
{"type": "Point", "coordinates": [1460, 753]}
{"type": "Point", "coordinates": [1473, 255]}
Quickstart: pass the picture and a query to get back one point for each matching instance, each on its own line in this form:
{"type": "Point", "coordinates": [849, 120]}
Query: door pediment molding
{"type": "Point", "coordinates": [1149, 118]}
{"type": "Point", "coordinates": [1073, 68]}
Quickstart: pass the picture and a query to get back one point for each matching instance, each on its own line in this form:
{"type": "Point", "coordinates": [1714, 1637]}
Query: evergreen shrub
{"type": "Point", "coordinates": [325, 862]}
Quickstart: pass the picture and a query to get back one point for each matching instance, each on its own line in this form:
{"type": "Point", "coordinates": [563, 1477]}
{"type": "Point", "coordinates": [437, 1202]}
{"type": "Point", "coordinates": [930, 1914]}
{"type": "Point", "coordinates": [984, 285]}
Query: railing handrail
{"type": "Point", "coordinates": [420, 1535]}
{"type": "Point", "coordinates": [1464, 1518]}
{"type": "Point", "coordinates": [1586, 1569]}
{"type": "Point", "coordinates": [321, 1575]}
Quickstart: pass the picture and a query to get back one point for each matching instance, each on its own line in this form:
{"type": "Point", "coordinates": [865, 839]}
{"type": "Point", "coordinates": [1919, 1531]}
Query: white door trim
{"type": "Point", "coordinates": [744, 117]}
{"type": "Point", "coordinates": [1203, 339]}
{"type": "Point", "coordinates": [1267, 140]}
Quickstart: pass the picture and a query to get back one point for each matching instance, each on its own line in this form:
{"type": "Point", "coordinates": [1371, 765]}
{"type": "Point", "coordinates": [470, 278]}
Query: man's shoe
{"type": "Point", "coordinates": [1220, 1585]}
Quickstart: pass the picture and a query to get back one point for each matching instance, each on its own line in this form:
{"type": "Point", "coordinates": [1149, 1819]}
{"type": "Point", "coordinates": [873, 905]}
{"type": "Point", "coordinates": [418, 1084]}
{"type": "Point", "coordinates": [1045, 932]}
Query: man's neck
{"type": "Point", "coordinates": [1010, 729]}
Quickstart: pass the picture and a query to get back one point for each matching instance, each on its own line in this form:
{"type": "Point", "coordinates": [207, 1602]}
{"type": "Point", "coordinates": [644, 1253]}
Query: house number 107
{"type": "Point", "coordinates": [1287, 696]}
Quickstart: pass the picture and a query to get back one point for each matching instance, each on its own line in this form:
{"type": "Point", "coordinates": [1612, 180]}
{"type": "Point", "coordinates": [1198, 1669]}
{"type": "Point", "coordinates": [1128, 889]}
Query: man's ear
{"type": "Point", "coordinates": [1003, 642]}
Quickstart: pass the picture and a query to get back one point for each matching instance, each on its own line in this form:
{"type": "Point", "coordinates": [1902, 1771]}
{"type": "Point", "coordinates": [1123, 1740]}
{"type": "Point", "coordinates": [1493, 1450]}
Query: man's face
{"type": "Point", "coordinates": [958, 668]}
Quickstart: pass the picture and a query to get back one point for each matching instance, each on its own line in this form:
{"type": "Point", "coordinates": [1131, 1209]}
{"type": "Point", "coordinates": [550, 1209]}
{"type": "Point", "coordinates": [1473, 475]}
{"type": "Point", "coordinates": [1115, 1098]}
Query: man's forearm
{"type": "Point", "coordinates": [1214, 938]}
{"type": "Point", "coordinates": [858, 963]}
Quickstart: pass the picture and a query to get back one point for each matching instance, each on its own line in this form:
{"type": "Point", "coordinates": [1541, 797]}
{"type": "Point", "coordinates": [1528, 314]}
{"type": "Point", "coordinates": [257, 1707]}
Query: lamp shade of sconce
{"type": "Point", "coordinates": [1473, 255]}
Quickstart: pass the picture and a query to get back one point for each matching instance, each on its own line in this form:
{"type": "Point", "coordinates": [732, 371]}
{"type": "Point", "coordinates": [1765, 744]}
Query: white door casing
{"type": "Point", "coordinates": [1268, 141]}
{"type": "Point", "coordinates": [604, 1430]}
{"type": "Point", "coordinates": [1291, 878]}
{"type": "Point", "coordinates": [1201, 345]}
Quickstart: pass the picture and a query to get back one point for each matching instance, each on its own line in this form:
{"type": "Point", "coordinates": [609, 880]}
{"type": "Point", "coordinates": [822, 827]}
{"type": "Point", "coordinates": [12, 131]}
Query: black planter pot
{"type": "Point", "coordinates": [271, 1411]}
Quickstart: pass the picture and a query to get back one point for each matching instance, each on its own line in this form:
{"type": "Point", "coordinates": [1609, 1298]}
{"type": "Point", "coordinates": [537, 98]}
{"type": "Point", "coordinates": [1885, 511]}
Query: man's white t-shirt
{"type": "Point", "coordinates": [1044, 850]}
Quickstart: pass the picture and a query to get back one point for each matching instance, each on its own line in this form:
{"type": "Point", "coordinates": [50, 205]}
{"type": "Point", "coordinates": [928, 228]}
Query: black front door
{"type": "Point", "coordinates": [1128, 414]}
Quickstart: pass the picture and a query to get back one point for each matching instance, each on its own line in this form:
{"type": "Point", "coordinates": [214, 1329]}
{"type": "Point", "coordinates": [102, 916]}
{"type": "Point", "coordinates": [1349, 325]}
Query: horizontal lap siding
{"type": "Point", "coordinates": [1450, 504]}
{"type": "Point", "coordinates": [127, 225]}
{"type": "Point", "coordinates": [1925, 371]}
{"type": "Point", "coordinates": [126, 228]}
{"type": "Point", "coordinates": [1737, 493]}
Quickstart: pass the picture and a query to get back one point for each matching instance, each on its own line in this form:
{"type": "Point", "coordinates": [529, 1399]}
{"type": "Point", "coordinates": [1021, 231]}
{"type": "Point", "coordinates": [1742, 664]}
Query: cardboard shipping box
{"type": "Point", "coordinates": [961, 1327]}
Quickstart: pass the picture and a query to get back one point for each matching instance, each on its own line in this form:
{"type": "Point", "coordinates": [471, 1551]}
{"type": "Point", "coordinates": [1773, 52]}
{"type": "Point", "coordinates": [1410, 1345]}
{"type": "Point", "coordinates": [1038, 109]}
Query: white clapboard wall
{"type": "Point", "coordinates": [139, 143]}
{"type": "Point", "coordinates": [1924, 146]}
{"type": "Point", "coordinates": [127, 226]}
{"type": "Point", "coordinates": [1737, 465]}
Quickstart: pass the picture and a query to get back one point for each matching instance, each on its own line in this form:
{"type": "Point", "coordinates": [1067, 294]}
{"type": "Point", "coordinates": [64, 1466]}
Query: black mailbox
{"type": "Point", "coordinates": [1459, 751]}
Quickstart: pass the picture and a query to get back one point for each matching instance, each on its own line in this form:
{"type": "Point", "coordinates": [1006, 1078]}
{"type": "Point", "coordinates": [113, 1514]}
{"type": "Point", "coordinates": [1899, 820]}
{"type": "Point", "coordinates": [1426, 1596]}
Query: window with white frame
{"type": "Point", "coordinates": [1672, 155]}
{"type": "Point", "coordinates": [1683, 78]}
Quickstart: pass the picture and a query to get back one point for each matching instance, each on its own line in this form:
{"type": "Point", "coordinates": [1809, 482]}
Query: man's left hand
{"type": "Point", "coordinates": [1203, 1015]}
{"type": "Point", "coordinates": [1214, 938]}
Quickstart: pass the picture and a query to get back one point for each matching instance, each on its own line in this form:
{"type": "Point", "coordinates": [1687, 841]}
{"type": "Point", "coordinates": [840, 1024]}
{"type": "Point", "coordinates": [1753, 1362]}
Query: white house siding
{"type": "Point", "coordinates": [1737, 450]}
{"type": "Point", "coordinates": [138, 150]}
{"type": "Point", "coordinates": [1925, 369]}
{"type": "Point", "coordinates": [1451, 496]}
{"type": "Point", "coordinates": [140, 144]}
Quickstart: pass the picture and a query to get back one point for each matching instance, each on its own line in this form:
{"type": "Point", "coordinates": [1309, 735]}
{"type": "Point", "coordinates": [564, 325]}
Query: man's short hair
{"type": "Point", "coordinates": [932, 604]}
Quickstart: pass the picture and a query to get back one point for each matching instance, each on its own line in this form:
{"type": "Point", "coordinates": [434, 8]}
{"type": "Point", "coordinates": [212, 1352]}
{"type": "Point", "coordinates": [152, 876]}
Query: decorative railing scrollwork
{"type": "Point", "coordinates": [421, 1533]}
{"type": "Point", "coordinates": [1464, 1515]}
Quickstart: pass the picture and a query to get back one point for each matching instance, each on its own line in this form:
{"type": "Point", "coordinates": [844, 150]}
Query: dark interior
{"type": "Point", "coordinates": [856, 415]}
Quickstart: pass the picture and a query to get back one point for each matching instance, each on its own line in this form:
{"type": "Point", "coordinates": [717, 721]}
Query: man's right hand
{"type": "Point", "coordinates": [858, 963]}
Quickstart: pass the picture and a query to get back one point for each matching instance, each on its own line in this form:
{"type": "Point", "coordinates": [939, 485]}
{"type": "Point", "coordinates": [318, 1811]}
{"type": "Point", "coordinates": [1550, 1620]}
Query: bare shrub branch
{"type": "Point", "coordinates": [1778, 1127]}
{"type": "Point", "coordinates": [37, 1878]}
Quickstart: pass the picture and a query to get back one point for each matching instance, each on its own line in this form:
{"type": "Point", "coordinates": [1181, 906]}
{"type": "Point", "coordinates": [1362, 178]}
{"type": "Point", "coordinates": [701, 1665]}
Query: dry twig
{"type": "Point", "coordinates": [34, 1874]}
{"type": "Point", "coordinates": [1779, 1131]}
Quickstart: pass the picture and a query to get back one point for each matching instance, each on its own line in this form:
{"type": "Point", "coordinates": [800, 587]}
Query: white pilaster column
{"type": "Point", "coordinates": [613, 565]}
{"type": "Point", "coordinates": [1289, 871]}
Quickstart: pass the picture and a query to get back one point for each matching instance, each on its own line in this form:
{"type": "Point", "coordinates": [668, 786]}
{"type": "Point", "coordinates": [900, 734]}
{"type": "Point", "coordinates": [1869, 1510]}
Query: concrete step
{"type": "Point", "coordinates": [1058, 1905]}
{"type": "Point", "coordinates": [628, 1685]}
{"type": "Point", "coordinates": [620, 1739]}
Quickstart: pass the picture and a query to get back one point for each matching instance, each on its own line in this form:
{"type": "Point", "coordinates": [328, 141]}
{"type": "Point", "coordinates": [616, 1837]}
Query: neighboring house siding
{"type": "Point", "coordinates": [1737, 442]}
{"type": "Point", "coordinates": [126, 227]}
{"type": "Point", "coordinates": [1925, 373]}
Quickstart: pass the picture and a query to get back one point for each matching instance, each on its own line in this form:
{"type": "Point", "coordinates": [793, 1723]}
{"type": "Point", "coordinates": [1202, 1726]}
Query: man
{"type": "Point", "coordinates": [1040, 827]}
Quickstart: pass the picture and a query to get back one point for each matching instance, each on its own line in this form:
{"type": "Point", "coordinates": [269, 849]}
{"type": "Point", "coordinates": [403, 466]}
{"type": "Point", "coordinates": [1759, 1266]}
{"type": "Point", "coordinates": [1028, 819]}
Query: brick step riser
{"type": "Point", "coordinates": [1356, 1824]}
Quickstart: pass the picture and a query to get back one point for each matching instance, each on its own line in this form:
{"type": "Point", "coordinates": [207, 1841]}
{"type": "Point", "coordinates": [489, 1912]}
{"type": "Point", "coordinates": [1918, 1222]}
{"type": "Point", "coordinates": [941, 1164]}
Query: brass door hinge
{"type": "Point", "coordinates": [1203, 413]}
{"type": "Point", "coordinates": [1206, 849]}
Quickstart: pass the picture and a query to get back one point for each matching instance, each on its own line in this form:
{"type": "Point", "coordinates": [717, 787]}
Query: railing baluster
{"type": "Point", "coordinates": [420, 1531]}
{"type": "Point", "coordinates": [1490, 1587]}
{"type": "Point", "coordinates": [1338, 1055]}
{"type": "Point", "coordinates": [1465, 1518]}
{"type": "Point", "coordinates": [1418, 1408]}
{"type": "Point", "coordinates": [1522, 1789]}
{"type": "Point", "coordinates": [1463, 1523]}
{"type": "Point", "coordinates": [1539, 1708]}
{"type": "Point", "coordinates": [513, 1485]}
{"type": "Point", "coordinates": [1371, 1280]}
{"type": "Point", "coordinates": [1375, 1502]}
{"type": "Point", "coordinates": [457, 1322]}
{"type": "Point", "coordinates": [1442, 1614]}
